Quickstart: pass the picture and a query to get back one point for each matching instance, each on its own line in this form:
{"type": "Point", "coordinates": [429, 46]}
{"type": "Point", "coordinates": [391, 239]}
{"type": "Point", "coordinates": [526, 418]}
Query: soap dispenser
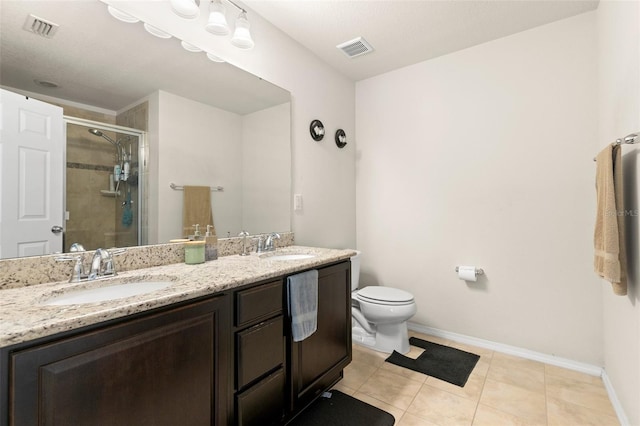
{"type": "Point", "coordinates": [211, 245]}
{"type": "Point", "coordinates": [196, 234]}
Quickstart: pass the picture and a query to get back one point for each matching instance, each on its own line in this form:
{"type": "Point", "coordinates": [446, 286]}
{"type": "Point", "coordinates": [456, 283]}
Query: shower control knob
{"type": "Point", "coordinates": [56, 229]}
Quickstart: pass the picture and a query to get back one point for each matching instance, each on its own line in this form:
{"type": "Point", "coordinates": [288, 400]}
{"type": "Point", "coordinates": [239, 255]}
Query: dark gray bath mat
{"type": "Point", "coordinates": [442, 362]}
{"type": "Point", "coordinates": [342, 410]}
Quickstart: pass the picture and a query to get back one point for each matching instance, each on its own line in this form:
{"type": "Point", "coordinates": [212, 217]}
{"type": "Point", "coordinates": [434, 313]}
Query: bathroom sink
{"type": "Point", "coordinates": [106, 292]}
{"type": "Point", "coordinates": [290, 256]}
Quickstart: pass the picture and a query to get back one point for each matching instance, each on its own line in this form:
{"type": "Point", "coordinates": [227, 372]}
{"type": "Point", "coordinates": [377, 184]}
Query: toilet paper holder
{"type": "Point", "coordinates": [479, 271]}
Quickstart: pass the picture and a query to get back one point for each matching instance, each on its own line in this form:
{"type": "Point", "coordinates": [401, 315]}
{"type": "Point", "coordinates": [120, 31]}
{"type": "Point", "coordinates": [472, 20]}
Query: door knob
{"type": "Point", "coordinates": [56, 229]}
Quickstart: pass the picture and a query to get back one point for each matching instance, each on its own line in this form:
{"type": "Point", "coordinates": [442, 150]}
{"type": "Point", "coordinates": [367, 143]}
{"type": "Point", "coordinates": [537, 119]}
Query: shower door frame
{"type": "Point", "coordinates": [143, 161]}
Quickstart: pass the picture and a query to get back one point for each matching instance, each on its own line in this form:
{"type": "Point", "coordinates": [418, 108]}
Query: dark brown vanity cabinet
{"type": "Point", "coordinates": [259, 355]}
{"type": "Point", "coordinates": [275, 377]}
{"type": "Point", "coordinates": [166, 368]}
{"type": "Point", "coordinates": [222, 360]}
{"type": "Point", "coordinates": [316, 363]}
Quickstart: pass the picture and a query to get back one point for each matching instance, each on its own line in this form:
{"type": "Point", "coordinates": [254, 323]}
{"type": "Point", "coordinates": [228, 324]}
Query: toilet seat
{"type": "Point", "coordinates": [381, 295]}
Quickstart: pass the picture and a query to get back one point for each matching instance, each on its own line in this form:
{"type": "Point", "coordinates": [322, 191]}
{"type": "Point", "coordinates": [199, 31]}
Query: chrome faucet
{"type": "Point", "coordinates": [268, 243]}
{"type": "Point", "coordinates": [102, 264]}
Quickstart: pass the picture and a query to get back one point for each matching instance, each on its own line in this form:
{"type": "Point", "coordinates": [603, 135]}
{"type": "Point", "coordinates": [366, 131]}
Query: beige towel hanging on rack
{"type": "Point", "coordinates": [610, 260]}
{"type": "Point", "coordinates": [196, 209]}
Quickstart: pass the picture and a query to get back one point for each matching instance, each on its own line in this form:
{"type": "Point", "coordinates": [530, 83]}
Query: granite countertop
{"type": "Point", "coordinates": [24, 316]}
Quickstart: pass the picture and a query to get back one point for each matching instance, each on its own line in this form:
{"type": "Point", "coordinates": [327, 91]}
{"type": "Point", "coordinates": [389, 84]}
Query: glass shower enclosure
{"type": "Point", "coordinates": [105, 201]}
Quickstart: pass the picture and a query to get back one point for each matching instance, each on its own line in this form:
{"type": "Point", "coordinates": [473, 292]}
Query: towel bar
{"type": "Point", "coordinates": [181, 188]}
{"type": "Point", "coordinates": [627, 140]}
{"type": "Point", "coordinates": [479, 271]}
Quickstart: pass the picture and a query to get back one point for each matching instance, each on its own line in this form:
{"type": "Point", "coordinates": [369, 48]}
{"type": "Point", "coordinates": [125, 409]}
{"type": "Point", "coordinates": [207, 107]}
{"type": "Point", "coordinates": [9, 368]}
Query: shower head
{"type": "Point", "coordinates": [119, 150]}
{"type": "Point", "coordinates": [102, 135]}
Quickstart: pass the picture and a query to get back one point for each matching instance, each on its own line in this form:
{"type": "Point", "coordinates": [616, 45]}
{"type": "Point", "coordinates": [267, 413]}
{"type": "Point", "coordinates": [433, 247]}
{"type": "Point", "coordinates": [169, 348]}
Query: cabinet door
{"type": "Point", "coordinates": [317, 361]}
{"type": "Point", "coordinates": [169, 368]}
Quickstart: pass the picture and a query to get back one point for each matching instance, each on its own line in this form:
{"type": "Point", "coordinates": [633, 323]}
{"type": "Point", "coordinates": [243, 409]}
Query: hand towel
{"type": "Point", "coordinates": [302, 298]}
{"type": "Point", "coordinates": [127, 212]}
{"type": "Point", "coordinates": [610, 256]}
{"type": "Point", "coordinates": [196, 209]}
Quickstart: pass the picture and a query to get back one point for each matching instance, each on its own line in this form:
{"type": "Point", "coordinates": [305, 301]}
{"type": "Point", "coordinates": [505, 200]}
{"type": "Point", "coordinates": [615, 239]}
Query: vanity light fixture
{"type": "Point", "coordinates": [188, 9]}
{"type": "Point", "coordinates": [217, 24]}
{"type": "Point", "coordinates": [316, 128]}
{"type": "Point", "coordinates": [341, 138]}
{"type": "Point", "coordinates": [244, 37]}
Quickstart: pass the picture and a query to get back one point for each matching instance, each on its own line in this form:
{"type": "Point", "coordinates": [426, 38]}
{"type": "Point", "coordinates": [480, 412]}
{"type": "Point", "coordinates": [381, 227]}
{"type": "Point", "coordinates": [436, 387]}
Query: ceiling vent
{"type": "Point", "coordinates": [356, 47]}
{"type": "Point", "coordinates": [40, 26]}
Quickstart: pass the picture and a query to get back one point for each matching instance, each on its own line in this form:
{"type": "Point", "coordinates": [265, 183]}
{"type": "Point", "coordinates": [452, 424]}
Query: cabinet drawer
{"type": "Point", "coordinates": [262, 404]}
{"type": "Point", "coordinates": [260, 349]}
{"type": "Point", "coordinates": [258, 302]}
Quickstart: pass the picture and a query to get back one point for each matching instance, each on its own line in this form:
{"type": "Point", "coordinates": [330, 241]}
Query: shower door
{"type": "Point", "coordinates": [104, 191]}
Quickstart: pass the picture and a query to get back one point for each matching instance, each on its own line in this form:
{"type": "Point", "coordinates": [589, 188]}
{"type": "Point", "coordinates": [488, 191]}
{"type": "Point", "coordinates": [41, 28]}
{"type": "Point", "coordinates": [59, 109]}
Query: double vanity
{"type": "Point", "coordinates": [206, 344]}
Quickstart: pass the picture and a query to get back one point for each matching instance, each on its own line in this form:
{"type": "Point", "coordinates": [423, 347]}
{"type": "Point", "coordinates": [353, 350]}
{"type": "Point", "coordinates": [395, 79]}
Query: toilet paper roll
{"type": "Point", "coordinates": [467, 273]}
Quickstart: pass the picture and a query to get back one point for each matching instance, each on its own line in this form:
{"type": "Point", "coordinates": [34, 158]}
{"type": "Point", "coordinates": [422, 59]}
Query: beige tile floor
{"type": "Point", "coordinates": [501, 390]}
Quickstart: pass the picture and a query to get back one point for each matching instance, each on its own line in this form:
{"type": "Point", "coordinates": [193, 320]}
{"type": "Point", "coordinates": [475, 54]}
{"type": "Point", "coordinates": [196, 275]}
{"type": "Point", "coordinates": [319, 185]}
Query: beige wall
{"type": "Point", "coordinates": [266, 164]}
{"type": "Point", "coordinates": [484, 157]}
{"type": "Point", "coordinates": [190, 153]}
{"type": "Point", "coordinates": [619, 114]}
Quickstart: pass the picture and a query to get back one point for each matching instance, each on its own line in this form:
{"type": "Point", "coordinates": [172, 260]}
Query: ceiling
{"type": "Point", "coordinates": [404, 32]}
{"type": "Point", "coordinates": [99, 61]}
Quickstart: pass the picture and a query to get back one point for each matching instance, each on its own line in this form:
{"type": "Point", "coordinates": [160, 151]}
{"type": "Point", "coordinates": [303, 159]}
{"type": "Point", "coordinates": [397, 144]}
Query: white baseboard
{"type": "Point", "coordinates": [590, 369]}
{"type": "Point", "coordinates": [617, 406]}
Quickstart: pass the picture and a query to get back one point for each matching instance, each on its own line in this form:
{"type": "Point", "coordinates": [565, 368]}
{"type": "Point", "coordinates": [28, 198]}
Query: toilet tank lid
{"type": "Point", "coordinates": [385, 294]}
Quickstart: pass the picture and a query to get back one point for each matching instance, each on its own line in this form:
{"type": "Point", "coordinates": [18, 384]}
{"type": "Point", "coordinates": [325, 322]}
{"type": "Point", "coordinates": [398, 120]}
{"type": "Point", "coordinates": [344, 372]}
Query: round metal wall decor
{"type": "Point", "coordinates": [317, 130]}
{"type": "Point", "coordinates": [341, 138]}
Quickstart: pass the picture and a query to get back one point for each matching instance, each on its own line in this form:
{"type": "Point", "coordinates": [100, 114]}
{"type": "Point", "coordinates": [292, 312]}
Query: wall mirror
{"type": "Point", "coordinates": [207, 123]}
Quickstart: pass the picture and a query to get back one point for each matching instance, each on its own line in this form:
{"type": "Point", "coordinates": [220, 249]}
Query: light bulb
{"type": "Point", "coordinates": [217, 23]}
{"type": "Point", "coordinates": [242, 35]}
{"type": "Point", "coordinates": [187, 9]}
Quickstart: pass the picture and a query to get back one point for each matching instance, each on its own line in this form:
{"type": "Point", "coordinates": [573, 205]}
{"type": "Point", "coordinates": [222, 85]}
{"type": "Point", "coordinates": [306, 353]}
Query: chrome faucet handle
{"type": "Point", "coordinates": [78, 269]}
{"type": "Point", "coordinates": [109, 263]}
{"type": "Point", "coordinates": [260, 243]}
{"type": "Point", "coordinates": [244, 235]}
{"type": "Point", "coordinates": [269, 243]}
{"type": "Point", "coordinates": [109, 267]}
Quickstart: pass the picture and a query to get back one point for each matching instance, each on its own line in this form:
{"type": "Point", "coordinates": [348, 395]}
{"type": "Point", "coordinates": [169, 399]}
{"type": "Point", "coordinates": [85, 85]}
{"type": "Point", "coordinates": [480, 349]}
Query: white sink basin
{"type": "Point", "coordinates": [289, 256]}
{"type": "Point", "coordinates": [106, 293]}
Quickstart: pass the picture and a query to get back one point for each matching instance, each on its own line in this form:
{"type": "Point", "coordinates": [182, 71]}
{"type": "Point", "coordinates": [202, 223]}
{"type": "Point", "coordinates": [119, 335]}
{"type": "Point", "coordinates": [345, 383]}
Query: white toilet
{"type": "Point", "coordinates": [379, 314]}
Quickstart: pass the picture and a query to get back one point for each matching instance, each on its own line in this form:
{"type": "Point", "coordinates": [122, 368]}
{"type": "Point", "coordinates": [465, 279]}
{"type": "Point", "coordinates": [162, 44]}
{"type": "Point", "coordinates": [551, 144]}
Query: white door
{"type": "Point", "coordinates": [31, 176]}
